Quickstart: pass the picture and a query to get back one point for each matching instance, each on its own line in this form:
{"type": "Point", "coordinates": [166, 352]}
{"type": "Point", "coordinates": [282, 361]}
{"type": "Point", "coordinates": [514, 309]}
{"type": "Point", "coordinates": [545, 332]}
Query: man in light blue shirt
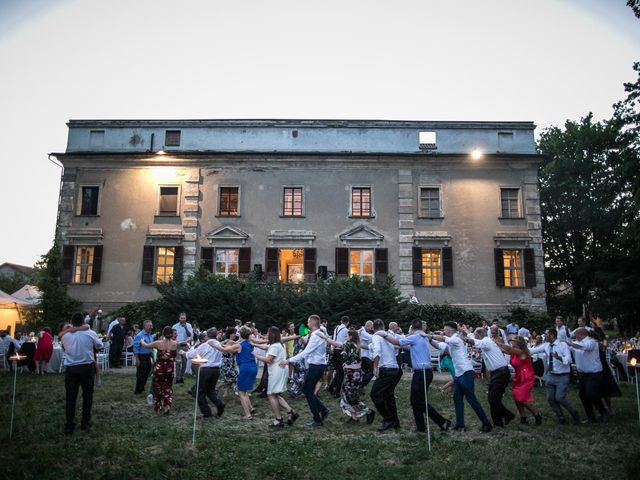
{"type": "Point", "coordinates": [142, 356]}
{"type": "Point", "coordinates": [422, 375]}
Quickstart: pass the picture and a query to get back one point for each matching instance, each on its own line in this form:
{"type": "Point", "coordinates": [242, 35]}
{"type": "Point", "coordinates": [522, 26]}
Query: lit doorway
{"type": "Point", "coordinates": [291, 265]}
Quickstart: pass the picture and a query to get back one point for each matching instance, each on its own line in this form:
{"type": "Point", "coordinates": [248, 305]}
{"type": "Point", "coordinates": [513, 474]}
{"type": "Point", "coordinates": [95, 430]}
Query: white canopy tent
{"type": "Point", "coordinates": [11, 311]}
{"type": "Point", "coordinates": [28, 293]}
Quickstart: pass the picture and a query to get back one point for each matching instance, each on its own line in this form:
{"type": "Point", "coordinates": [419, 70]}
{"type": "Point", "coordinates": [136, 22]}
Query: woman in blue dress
{"type": "Point", "coordinates": [248, 370]}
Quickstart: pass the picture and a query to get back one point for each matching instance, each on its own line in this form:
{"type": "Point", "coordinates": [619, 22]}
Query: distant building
{"type": "Point", "coordinates": [13, 270]}
{"type": "Point", "coordinates": [450, 209]}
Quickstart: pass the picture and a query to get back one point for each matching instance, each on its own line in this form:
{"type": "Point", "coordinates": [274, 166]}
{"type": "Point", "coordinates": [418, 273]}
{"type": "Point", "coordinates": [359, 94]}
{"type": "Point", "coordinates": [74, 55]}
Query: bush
{"type": "Point", "coordinates": [533, 320]}
{"type": "Point", "coordinates": [436, 315]}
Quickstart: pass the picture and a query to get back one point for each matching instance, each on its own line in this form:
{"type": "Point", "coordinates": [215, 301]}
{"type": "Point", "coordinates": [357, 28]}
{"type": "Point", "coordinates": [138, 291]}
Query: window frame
{"type": "Point", "coordinates": [167, 133]}
{"type": "Point", "coordinates": [178, 202]}
{"type": "Point", "coordinates": [283, 214]}
{"type": "Point", "coordinates": [218, 210]}
{"type": "Point", "coordinates": [439, 267]}
{"type": "Point", "coordinates": [440, 209]}
{"type": "Point", "coordinates": [79, 200]}
{"type": "Point", "coordinates": [508, 269]}
{"type": "Point", "coordinates": [88, 273]}
{"type": "Point", "coordinates": [226, 274]}
{"type": "Point", "coordinates": [157, 265]}
{"type": "Point", "coordinates": [372, 212]}
{"type": "Point", "coordinates": [364, 276]}
{"type": "Point", "coordinates": [519, 214]}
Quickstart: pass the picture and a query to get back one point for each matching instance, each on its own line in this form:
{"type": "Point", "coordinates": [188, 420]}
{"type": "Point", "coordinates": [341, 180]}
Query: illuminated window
{"type": "Point", "coordinates": [512, 261]}
{"type": "Point", "coordinates": [430, 202]}
{"type": "Point", "coordinates": [168, 204]}
{"type": "Point", "coordinates": [227, 261]}
{"type": "Point", "coordinates": [510, 203]}
{"type": "Point", "coordinates": [361, 201]}
{"type": "Point", "coordinates": [229, 201]}
{"type": "Point", "coordinates": [165, 264]}
{"type": "Point", "coordinates": [292, 202]}
{"type": "Point", "coordinates": [361, 263]}
{"type": "Point", "coordinates": [83, 265]}
{"type": "Point", "coordinates": [431, 268]}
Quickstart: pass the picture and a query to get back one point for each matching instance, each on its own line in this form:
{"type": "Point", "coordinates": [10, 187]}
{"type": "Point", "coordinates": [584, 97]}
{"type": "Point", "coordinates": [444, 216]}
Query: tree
{"type": "Point", "coordinates": [11, 284]}
{"type": "Point", "coordinates": [55, 303]}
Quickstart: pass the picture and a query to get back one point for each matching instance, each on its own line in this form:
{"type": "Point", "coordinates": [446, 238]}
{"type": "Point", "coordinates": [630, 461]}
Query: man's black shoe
{"type": "Point", "coordinates": [85, 426]}
{"type": "Point", "coordinates": [221, 410]}
{"type": "Point", "coordinates": [446, 425]}
{"type": "Point", "coordinates": [386, 426]}
{"type": "Point", "coordinates": [486, 428]}
{"type": "Point", "coordinates": [68, 429]}
{"type": "Point", "coordinates": [370, 416]}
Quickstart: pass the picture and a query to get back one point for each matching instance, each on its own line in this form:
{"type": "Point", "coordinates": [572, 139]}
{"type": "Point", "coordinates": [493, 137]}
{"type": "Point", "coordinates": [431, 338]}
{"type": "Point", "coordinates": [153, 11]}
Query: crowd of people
{"type": "Point", "coordinates": [302, 362]}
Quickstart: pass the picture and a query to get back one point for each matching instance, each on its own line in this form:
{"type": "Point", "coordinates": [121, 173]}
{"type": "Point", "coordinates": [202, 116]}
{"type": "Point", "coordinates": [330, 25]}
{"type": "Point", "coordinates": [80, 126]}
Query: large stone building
{"type": "Point", "coordinates": [450, 209]}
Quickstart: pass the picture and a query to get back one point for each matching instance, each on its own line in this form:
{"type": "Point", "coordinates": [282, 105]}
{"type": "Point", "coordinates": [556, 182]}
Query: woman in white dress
{"type": "Point", "coordinates": [278, 376]}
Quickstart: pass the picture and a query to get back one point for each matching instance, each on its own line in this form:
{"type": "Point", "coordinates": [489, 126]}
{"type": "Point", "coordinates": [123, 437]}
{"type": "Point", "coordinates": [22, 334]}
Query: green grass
{"type": "Point", "coordinates": [129, 441]}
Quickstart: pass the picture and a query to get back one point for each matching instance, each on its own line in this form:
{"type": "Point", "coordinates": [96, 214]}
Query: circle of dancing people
{"type": "Point", "coordinates": [297, 364]}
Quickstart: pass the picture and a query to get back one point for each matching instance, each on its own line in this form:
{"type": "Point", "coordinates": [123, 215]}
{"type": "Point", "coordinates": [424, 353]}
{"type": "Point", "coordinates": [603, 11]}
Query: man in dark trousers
{"type": "Point", "coordinates": [388, 374]}
{"type": "Point", "coordinates": [340, 335]}
{"type": "Point", "coordinates": [117, 336]}
{"type": "Point", "coordinates": [78, 349]}
{"type": "Point", "coordinates": [142, 356]}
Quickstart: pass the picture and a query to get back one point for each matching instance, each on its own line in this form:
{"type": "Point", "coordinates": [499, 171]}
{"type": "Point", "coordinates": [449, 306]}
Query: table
{"type": "Point", "coordinates": [56, 359]}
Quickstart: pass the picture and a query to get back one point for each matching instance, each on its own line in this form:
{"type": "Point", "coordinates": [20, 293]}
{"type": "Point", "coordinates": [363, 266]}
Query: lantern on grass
{"type": "Point", "coordinates": [16, 357]}
{"type": "Point", "coordinates": [197, 360]}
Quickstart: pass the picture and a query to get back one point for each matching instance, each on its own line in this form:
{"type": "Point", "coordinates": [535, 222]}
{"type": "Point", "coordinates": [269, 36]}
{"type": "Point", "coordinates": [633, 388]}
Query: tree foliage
{"type": "Point", "coordinates": [590, 202]}
{"type": "Point", "coordinates": [55, 303]}
{"type": "Point", "coordinates": [213, 300]}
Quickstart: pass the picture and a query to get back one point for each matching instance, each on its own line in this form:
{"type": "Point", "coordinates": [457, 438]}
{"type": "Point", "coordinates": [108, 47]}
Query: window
{"type": "Point", "coordinates": [165, 264]}
{"type": "Point", "coordinates": [168, 205]}
{"type": "Point", "coordinates": [292, 202]}
{"type": "Point", "coordinates": [229, 201]}
{"type": "Point", "coordinates": [427, 140]}
{"type": "Point", "coordinates": [96, 138]}
{"type": "Point", "coordinates": [83, 265]}
{"type": "Point", "coordinates": [89, 196]}
{"type": "Point", "coordinates": [430, 202]}
{"type": "Point", "coordinates": [512, 261]}
{"type": "Point", "coordinates": [227, 261]}
{"type": "Point", "coordinates": [172, 138]}
{"type": "Point", "coordinates": [431, 267]}
{"type": "Point", "coordinates": [361, 201]}
{"type": "Point", "coordinates": [509, 201]}
{"type": "Point", "coordinates": [361, 263]}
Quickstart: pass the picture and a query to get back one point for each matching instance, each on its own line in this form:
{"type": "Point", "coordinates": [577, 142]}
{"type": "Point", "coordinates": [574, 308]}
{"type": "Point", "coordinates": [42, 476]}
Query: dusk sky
{"type": "Point", "coordinates": [544, 61]}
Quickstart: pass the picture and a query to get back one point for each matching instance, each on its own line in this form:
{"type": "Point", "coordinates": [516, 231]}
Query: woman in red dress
{"type": "Point", "coordinates": [523, 379]}
{"type": "Point", "coordinates": [44, 350]}
{"type": "Point", "coordinates": [163, 370]}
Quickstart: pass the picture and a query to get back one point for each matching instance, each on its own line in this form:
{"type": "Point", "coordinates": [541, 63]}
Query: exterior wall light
{"type": "Point", "coordinates": [476, 154]}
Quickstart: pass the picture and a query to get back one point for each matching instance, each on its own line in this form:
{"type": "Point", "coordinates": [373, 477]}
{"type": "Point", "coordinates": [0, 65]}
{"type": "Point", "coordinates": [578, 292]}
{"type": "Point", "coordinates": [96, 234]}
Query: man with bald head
{"type": "Point", "coordinates": [587, 354]}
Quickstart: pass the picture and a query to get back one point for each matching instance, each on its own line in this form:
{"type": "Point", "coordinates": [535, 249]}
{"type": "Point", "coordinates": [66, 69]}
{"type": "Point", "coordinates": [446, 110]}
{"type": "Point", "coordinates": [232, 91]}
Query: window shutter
{"type": "Point", "coordinates": [342, 262]}
{"type": "Point", "coordinates": [67, 263]}
{"type": "Point", "coordinates": [417, 266]}
{"type": "Point", "coordinates": [497, 253]}
{"type": "Point", "coordinates": [207, 255]}
{"type": "Point", "coordinates": [447, 267]}
{"type": "Point", "coordinates": [529, 268]}
{"type": "Point", "coordinates": [309, 265]}
{"type": "Point", "coordinates": [244, 262]}
{"type": "Point", "coordinates": [178, 263]}
{"type": "Point", "coordinates": [148, 261]}
{"type": "Point", "coordinates": [97, 264]}
{"type": "Point", "coordinates": [382, 265]}
{"type": "Point", "coordinates": [271, 268]}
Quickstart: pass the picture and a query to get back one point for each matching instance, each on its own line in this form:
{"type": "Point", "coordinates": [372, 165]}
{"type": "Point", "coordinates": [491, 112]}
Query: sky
{"type": "Point", "coordinates": [543, 61]}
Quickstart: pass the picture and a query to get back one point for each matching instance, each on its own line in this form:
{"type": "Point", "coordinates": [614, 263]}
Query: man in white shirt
{"type": "Point", "coordinates": [587, 353]}
{"type": "Point", "coordinates": [388, 374]}
{"type": "Point", "coordinates": [79, 349]}
{"type": "Point", "coordinates": [557, 376]}
{"type": "Point", "coordinates": [365, 353]}
{"type": "Point", "coordinates": [497, 365]}
{"type": "Point", "coordinates": [524, 332]}
{"type": "Point", "coordinates": [184, 337]}
{"type": "Point", "coordinates": [561, 328]}
{"type": "Point", "coordinates": [512, 328]}
{"type": "Point", "coordinates": [463, 382]}
{"type": "Point", "coordinates": [315, 356]}
{"type": "Point", "coordinates": [340, 335]}
{"type": "Point", "coordinates": [112, 324]}
{"type": "Point", "coordinates": [209, 372]}
{"type": "Point", "coordinates": [581, 324]}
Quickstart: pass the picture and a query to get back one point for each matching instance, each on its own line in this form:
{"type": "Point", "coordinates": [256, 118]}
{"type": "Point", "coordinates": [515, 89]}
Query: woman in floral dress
{"type": "Point", "coordinates": [299, 369]}
{"type": "Point", "coordinates": [229, 372]}
{"type": "Point", "coordinates": [163, 370]}
{"type": "Point", "coordinates": [351, 394]}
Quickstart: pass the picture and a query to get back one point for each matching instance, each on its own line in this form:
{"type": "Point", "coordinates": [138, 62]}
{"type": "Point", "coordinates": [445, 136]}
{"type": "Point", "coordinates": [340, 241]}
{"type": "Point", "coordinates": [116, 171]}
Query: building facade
{"type": "Point", "coordinates": [449, 209]}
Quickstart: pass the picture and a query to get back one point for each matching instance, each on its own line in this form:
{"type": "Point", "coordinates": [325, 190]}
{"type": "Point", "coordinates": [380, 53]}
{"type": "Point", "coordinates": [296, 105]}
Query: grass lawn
{"type": "Point", "coordinates": [129, 441]}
